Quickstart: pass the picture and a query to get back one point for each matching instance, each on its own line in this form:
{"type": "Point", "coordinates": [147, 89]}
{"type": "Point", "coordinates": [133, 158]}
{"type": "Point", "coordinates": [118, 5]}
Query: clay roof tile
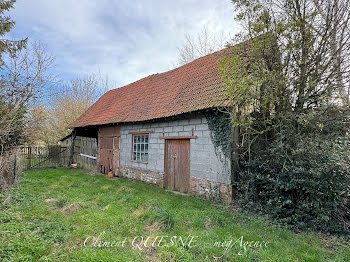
{"type": "Point", "coordinates": [191, 87]}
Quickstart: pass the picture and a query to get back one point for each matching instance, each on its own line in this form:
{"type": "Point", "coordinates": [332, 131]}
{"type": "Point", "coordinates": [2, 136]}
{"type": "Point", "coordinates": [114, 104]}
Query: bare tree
{"type": "Point", "coordinates": [25, 78]}
{"type": "Point", "coordinates": [71, 102]}
{"type": "Point", "coordinates": [37, 124]}
{"type": "Point", "coordinates": [313, 44]}
{"type": "Point", "coordinates": [29, 71]}
{"type": "Point", "coordinates": [336, 15]}
{"type": "Point", "coordinates": [202, 44]}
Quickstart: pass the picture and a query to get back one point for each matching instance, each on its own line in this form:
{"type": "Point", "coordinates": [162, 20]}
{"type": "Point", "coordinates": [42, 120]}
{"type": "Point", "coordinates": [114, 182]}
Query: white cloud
{"type": "Point", "coordinates": [126, 40]}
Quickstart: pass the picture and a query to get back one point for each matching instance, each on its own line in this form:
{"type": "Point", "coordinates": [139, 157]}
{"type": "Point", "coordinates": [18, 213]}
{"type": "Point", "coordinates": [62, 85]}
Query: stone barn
{"type": "Point", "coordinates": [163, 129]}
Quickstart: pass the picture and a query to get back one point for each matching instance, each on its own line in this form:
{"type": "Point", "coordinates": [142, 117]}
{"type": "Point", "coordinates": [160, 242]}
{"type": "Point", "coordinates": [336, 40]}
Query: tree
{"type": "Point", "coordinates": [313, 40]}
{"type": "Point", "coordinates": [6, 24]}
{"type": "Point", "coordinates": [37, 125]}
{"type": "Point", "coordinates": [292, 61]}
{"type": "Point", "coordinates": [284, 83]}
{"type": "Point", "coordinates": [12, 99]}
{"type": "Point", "coordinates": [71, 102]}
{"type": "Point", "coordinates": [336, 14]}
{"type": "Point", "coordinates": [27, 82]}
{"type": "Point", "coordinates": [29, 70]}
{"type": "Point", "coordinates": [202, 44]}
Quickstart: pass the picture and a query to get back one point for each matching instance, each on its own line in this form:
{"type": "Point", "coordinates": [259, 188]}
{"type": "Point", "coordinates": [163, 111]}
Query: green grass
{"type": "Point", "coordinates": [49, 214]}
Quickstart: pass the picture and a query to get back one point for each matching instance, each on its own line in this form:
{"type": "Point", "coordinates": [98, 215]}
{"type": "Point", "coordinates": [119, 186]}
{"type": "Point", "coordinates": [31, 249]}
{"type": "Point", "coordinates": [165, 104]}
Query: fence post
{"type": "Point", "coordinates": [29, 157]}
{"type": "Point", "coordinates": [72, 148]}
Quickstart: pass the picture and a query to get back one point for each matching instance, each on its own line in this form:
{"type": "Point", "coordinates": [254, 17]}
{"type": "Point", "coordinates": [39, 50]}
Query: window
{"type": "Point", "coordinates": [140, 147]}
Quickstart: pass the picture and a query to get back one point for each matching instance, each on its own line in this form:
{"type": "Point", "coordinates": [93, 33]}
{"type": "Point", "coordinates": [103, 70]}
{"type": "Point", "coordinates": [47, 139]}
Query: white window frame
{"type": "Point", "coordinates": [140, 147]}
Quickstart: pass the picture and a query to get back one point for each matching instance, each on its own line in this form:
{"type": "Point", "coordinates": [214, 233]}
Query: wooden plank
{"type": "Point", "coordinates": [177, 165]}
{"type": "Point", "coordinates": [29, 157]}
{"type": "Point", "coordinates": [108, 149]}
{"type": "Point", "coordinates": [87, 156]}
{"type": "Point", "coordinates": [116, 156]}
{"type": "Point", "coordinates": [106, 142]}
{"type": "Point", "coordinates": [86, 152]}
{"type": "Point", "coordinates": [178, 137]}
{"type": "Point", "coordinates": [140, 132]}
{"type": "Point", "coordinates": [184, 164]}
{"type": "Point", "coordinates": [57, 156]}
{"type": "Point", "coordinates": [110, 131]}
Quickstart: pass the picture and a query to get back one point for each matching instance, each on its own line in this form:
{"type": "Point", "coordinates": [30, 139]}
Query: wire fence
{"type": "Point", "coordinates": [32, 157]}
{"type": "Point", "coordinates": [17, 160]}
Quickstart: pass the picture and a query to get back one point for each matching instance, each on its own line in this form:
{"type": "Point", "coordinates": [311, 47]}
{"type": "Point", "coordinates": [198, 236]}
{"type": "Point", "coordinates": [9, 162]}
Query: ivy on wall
{"type": "Point", "coordinates": [220, 131]}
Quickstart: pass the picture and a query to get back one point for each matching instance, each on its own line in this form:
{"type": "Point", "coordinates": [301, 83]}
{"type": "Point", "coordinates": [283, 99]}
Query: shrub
{"type": "Point", "coordinates": [303, 178]}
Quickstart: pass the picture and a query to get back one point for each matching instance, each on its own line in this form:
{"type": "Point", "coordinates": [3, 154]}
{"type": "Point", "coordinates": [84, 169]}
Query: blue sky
{"type": "Point", "coordinates": [126, 40]}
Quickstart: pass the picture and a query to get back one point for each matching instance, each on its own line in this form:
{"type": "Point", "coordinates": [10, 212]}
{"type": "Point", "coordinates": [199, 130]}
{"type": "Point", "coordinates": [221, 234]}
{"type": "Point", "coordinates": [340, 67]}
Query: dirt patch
{"type": "Point", "coordinates": [328, 242]}
{"type": "Point", "coordinates": [106, 187]}
{"type": "Point", "coordinates": [78, 243]}
{"type": "Point", "coordinates": [71, 208]}
{"type": "Point", "coordinates": [140, 211]}
{"type": "Point", "coordinates": [151, 255]}
{"type": "Point", "coordinates": [35, 230]}
{"type": "Point", "coordinates": [209, 224]}
{"type": "Point", "coordinates": [154, 227]}
{"type": "Point", "coordinates": [124, 189]}
{"type": "Point", "coordinates": [49, 200]}
{"type": "Point", "coordinates": [73, 244]}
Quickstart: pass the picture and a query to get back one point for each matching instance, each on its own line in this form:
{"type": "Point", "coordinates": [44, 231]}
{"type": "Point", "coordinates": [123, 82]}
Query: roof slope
{"type": "Point", "coordinates": [191, 87]}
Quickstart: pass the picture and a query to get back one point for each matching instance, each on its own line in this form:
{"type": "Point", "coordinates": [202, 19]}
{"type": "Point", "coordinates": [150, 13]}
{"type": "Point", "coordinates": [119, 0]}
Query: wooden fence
{"type": "Point", "coordinates": [85, 152]}
{"type": "Point", "coordinates": [32, 157]}
{"type": "Point", "coordinates": [43, 156]}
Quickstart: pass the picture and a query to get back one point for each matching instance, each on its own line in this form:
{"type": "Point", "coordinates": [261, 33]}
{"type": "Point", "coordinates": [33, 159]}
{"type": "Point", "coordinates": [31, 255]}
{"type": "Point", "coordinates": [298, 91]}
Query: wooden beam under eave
{"type": "Point", "coordinates": [140, 132]}
{"type": "Point", "coordinates": [178, 137]}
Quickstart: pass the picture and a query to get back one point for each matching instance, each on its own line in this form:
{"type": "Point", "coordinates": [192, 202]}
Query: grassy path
{"type": "Point", "coordinates": [58, 214]}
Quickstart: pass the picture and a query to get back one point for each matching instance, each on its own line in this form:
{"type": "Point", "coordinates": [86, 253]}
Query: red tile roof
{"type": "Point", "coordinates": [191, 87]}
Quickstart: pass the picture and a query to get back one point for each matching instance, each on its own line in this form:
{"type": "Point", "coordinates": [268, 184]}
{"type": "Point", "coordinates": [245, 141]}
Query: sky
{"type": "Point", "coordinates": [124, 40]}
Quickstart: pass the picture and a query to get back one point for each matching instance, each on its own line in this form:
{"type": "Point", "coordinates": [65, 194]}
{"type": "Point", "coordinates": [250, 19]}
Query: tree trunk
{"type": "Point", "coordinates": [234, 158]}
{"type": "Point", "coordinates": [302, 81]}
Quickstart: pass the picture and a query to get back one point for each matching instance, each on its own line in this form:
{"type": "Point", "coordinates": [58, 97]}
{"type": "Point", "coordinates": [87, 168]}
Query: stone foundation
{"type": "Point", "coordinates": [143, 175]}
{"type": "Point", "coordinates": [198, 187]}
{"type": "Point", "coordinates": [211, 190]}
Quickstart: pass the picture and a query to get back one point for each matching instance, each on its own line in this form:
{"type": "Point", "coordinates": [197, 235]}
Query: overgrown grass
{"type": "Point", "coordinates": [50, 213]}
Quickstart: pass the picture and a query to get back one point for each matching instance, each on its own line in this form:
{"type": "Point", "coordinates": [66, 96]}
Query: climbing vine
{"type": "Point", "coordinates": [220, 131]}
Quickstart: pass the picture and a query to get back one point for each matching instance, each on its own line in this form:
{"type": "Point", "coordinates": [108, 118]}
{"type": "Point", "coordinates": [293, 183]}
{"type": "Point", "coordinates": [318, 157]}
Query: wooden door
{"type": "Point", "coordinates": [109, 146]}
{"type": "Point", "coordinates": [177, 165]}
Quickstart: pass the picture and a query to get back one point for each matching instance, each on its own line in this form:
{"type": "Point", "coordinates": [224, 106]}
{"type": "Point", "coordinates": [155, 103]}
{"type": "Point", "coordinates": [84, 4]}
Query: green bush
{"type": "Point", "coordinates": [303, 178]}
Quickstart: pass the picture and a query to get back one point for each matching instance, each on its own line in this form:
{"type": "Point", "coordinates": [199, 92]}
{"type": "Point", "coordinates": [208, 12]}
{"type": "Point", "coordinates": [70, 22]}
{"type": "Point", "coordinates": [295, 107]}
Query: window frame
{"type": "Point", "coordinates": [142, 142]}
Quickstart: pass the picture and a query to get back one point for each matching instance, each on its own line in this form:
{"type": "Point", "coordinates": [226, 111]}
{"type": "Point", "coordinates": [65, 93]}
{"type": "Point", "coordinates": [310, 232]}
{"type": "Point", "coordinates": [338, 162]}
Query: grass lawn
{"type": "Point", "coordinates": [50, 214]}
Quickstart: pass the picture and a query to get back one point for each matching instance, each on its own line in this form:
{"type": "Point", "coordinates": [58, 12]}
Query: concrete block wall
{"type": "Point", "coordinates": [206, 162]}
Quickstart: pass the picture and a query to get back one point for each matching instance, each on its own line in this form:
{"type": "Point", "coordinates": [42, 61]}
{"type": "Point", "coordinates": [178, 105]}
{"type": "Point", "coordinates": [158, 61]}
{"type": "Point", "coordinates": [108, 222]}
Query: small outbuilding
{"type": "Point", "coordinates": [166, 129]}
